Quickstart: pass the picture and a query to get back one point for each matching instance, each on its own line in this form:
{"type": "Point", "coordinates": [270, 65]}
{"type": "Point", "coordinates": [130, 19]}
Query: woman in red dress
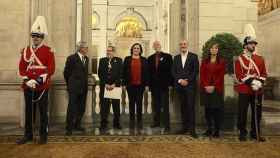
{"type": "Point", "coordinates": [212, 71]}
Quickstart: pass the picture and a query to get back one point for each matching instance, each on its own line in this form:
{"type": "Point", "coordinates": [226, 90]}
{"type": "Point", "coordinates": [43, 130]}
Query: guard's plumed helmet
{"type": "Point", "coordinates": [249, 39]}
{"type": "Point", "coordinates": [39, 27]}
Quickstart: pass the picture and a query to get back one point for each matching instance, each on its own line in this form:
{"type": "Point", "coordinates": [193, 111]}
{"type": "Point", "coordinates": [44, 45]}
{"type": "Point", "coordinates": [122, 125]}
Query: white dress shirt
{"type": "Point", "coordinates": [81, 57]}
{"type": "Point", "coordinates": [184, 58]}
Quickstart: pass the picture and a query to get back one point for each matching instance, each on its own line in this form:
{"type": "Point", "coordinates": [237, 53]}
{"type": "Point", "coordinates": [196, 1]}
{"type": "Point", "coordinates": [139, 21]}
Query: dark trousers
{"type": "Point", "coordinates": [213, 115]}
{"type": "Point", "coordinates": [187, 100]}
{"type": "Point", "coordinates": [135, 98]}
{"type": "Point", "coordinates": [105, 109]}
{"type": "Point", "coordinates": [75, 110]}
{"type": "Point", "coordinates": [160, 100]}
{"type": "Point", "coordinates": [244, 101]}
{"type": "Point", "coordinates": [42, 104]}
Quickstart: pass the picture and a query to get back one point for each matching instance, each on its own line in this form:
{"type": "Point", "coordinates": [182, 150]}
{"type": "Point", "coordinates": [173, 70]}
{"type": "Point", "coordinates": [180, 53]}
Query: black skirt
{"type": "Point", "coordinates": [212, 100]}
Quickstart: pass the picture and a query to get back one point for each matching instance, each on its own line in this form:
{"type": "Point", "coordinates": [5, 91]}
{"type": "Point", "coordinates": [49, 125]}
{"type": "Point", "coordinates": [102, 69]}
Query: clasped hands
{"type": "Point", "coordinates": [110, 87]}
{"type": "Point", "coordinates": [183, 82]}
{"type": "Point", "coordinates": [209, 89]}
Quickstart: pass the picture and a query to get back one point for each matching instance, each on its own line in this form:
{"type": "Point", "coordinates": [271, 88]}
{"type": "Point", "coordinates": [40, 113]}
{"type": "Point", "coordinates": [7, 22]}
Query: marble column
{"type": "Point", "coordinates": [87, 22]}
{"type": "Point", "coordinates": [192, 24]}
{"type": "Point", "coordinates": [174, 26]}
{"type": "Point", "coordinates": [162, 23]}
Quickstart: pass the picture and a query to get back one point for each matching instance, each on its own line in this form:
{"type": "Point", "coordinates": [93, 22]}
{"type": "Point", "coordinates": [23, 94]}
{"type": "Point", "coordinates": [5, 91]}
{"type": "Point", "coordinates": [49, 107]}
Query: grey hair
{"type": "Point", "coordinates": [81, 44]}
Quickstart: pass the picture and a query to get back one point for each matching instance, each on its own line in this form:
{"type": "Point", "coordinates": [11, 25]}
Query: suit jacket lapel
{"type": "Point", "coordinates": [80, 61]}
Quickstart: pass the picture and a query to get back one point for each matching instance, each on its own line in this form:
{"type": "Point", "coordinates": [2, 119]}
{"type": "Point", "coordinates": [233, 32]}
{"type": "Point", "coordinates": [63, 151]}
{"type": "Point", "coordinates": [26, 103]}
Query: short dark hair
{"type": "Point", "coordinates": [33, 34]}
{"type": "Point", "coordinates": [141, 49]}
{"type": "Point", "coordinates": [113, 48]}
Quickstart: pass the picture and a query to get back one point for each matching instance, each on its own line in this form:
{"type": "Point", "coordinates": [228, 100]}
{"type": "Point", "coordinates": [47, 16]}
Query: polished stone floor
{"type": "Point", "coordinates": [270, 126]}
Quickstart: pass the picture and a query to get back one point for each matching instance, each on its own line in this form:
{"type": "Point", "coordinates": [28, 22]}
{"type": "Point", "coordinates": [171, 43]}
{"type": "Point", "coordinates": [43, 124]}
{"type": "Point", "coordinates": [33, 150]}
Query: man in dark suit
{"type": "Point", "coordinates": [160, 65]}
{"type": "Point", "coordinates": [185, 70]}
{"type": "Point", "coordinates": [109, 73]}
{"type": "Point", "coordinates": [76, 77]}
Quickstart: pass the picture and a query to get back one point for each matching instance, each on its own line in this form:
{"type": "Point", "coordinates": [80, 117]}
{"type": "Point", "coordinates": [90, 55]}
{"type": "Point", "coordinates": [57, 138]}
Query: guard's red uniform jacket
{"type": "Point", "coordinates": [36, 63]}
{"type": "Point", "coordinates": [246, 68]}
{"type": "Point", "coordinates": [212, 74]}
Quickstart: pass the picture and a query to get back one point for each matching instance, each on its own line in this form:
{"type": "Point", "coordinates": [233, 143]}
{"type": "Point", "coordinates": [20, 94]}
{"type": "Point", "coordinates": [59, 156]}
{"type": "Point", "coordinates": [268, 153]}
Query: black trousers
{"type": "Point", "coordinates": [213, 115]}
{"type": "Point", "coordinates": [187, 100]}
{"type": "Point", "coordinates": [160, 101]}
{"type": "Point", "coordinates": [135, 99]}
{"type": "Point", "coordinates": [105, 105]}
{"type": "Point", "coordinates": [75, 110]}
{"type": "Point", "coordinates": [30, 109]}
{"type": "Point", "coordinates": [244, 101]}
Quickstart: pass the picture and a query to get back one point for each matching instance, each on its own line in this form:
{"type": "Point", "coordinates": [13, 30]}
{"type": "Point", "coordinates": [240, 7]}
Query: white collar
{"type": "Point", "coordinates": [248, 54]}
{"type": "Point", "coordinates": [185, 54]}
{"type": "Point", "coordinates": [81, 56]}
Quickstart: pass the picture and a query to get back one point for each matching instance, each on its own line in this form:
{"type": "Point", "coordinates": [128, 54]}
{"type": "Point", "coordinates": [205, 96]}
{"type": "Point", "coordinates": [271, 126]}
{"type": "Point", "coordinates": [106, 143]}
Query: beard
{"type": "Point", "coordinates": [251, 49]}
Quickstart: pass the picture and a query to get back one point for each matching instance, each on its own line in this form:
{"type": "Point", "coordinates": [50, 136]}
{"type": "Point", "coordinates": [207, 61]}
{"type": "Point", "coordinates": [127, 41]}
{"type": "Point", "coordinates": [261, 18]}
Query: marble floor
{"type": "Point", "coordinates": [270, 126]}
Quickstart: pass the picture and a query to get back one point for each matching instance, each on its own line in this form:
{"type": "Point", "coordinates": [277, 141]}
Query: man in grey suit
{"type": "Point", "coordinates": [76, 77]}
{"type": "Point", "coordinates": [185, 70]}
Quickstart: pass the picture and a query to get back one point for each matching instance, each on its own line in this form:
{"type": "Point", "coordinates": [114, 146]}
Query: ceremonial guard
{"type": "Point", "coordinates": [36, 67]}
{"type": "Point", "coordinates": [251, 74]}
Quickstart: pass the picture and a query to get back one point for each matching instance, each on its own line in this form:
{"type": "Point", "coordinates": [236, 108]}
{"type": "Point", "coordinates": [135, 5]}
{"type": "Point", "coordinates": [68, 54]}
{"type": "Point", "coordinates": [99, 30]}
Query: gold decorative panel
{"type": "Point", "coordinates": [266, 6]}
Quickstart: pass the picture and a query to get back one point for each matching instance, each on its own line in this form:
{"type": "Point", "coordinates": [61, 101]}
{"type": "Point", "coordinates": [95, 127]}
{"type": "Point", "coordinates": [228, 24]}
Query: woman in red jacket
{"type": "Point", "coordinates": [212, 71]}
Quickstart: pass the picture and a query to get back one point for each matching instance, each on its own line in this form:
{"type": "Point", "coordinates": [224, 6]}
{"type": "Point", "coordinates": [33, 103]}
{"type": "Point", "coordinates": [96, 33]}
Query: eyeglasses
{"type": "Point", "coordinates": [36, 36]}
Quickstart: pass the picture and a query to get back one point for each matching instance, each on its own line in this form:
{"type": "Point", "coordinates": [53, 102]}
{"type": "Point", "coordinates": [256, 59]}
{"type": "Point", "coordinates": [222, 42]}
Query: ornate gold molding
{"type": "Point", "coordinates": [266, 6]}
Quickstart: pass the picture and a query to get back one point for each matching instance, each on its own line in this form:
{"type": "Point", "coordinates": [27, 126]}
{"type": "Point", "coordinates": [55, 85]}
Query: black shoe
{"type": "Point", "coordinates": [139, 125]}
{"type": "Point", "coordinates": [182, 131]}
{"type": "Point", "coordinates": [131, 125]}
{"type": "Point", "coordinates": [118, 126]}
{"type": "Point", "coordinates": [102, 129]}
{"type": "Point", "coordinates": [216, 134]}
{"type": "Point", "coordinates": [207, 133]}
{"type": "Point", "coordinates": [261, 139]}
{"type": "Point", "coordinates": [80, 129]}
{"type": "Point", "coordinates": [167, 129]}
{"type": "Point", "coordinates": [24, 140]}
{"type": "Point", "coordinates": [43, 140]}
{"type": "Point", "coordinates": [242, 138]}
{"type": "Point", "coordinates": [155, 125]}
{"type": "Point", "coordinates": [68, 133]}
{"type": "Point", "coordinates": [253, 136]}
{"type": "Point", "coordinates": [194, 135]}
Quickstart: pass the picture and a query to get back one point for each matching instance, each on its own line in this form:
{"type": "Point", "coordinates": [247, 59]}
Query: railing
{"type": "Point", "coordinates": [124, 108]}
{"type": "Point", "coordinates": [58, 102]}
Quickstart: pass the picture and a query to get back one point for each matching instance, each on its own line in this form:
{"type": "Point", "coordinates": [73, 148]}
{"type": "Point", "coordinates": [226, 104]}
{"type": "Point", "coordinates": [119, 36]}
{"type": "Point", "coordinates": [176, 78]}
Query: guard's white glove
{"type": "Point", "coordinates": [209, 89]}
{"type": "Point", "coordinates": [147, 88]}
{"type": "Point", "coordinates": [31, 83]}
{"type": "Point", "coordinates": [256, 85]}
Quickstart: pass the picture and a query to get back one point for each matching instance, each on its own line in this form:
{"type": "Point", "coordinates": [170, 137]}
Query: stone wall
{"type": "Point", "coordinates": [216, 16]}
{"type": "Point", "coordinates": [268, 38]}
{"type": "Point", "coordinates": [16, 19]}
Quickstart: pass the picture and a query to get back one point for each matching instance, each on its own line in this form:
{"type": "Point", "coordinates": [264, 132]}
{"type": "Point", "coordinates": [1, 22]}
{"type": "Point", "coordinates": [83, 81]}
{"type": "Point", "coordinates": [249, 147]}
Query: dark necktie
{"type": "Point", "coordinates": [157, 60]}
{"type": "Point", "coordinates": [84, 60]}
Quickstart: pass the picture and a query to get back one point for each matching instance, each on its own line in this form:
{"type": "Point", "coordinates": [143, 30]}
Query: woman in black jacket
{"type": "Point", "coordinates": [135, 78]}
